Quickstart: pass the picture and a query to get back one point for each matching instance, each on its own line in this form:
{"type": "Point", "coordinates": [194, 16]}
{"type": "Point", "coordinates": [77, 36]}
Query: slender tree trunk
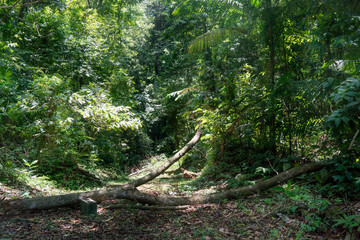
{"type": "Point", "coordinates": [271, 43]}
{"type": "Point", "coordinates": [23, 9]}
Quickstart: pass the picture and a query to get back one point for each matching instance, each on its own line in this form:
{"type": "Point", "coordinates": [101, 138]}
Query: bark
{"type": "Point", "coordinates": [229, 194]}
{"type": "Point", "coordinates": [189, 174]}
{"type": "Point", "coordinates": [127, 191]}
{"type": "Point", "coordinates": [145, 198]}
{"type": "Point", "coordinates": [167, 164]}
{"type": "Point", "coordinates": [145, 207]}
{"type": "Point", "coordinates": [271, 43]}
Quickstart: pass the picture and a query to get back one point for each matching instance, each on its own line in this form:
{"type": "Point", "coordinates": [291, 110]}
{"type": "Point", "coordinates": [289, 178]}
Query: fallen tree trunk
{"type": "Point", "coordinates": [167, 164]}
{"type": "Point", "coordinates": [145, 198]}
{"type": "Point", "coordinates": [151, 199]}
{"type": "Point", "coordinates": [121, 191]}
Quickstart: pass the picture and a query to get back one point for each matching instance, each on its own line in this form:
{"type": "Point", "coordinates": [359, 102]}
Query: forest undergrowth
{"type": "Point", "coordinates": [290, 211]}
{"type": "Point", "coordinates": [90, 88]}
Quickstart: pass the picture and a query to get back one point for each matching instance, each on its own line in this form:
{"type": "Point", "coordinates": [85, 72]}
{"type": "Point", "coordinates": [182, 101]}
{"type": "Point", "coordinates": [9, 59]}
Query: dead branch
{"type": "Point", "coordinates": [146, 207]}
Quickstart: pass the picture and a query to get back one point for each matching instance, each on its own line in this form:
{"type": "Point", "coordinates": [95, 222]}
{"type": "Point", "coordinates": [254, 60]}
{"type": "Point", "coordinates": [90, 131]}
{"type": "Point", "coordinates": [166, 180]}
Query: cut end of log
{"type": "Point", "coordinates": [88, 206]}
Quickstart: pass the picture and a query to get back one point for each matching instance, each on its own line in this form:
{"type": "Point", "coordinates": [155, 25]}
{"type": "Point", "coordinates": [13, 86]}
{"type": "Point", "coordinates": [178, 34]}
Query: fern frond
{"type": "Point", "coordinates": [181, 93]}
{"type": "Point", "coordinates": [231, 3]}
{"type": "Point", "coordinates": [210, 38]}
{"type": "Point", "coordinates": [225, 3]}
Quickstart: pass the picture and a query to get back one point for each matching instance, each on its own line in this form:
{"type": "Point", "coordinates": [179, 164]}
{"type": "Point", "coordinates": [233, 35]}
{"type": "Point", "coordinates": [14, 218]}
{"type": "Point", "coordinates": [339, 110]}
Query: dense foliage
{"type": "Point", "coordinates": [102, 83]}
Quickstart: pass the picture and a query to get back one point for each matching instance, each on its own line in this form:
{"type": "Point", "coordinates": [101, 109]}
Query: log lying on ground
{"type": "Point", "coordinates": [167, 164]}
{"type": "Point", "coordinates": [145, 198]}
{"type": "Point", "coordinates": [151, 199]}
{"type": "Point", "coordinates": [121, 191]}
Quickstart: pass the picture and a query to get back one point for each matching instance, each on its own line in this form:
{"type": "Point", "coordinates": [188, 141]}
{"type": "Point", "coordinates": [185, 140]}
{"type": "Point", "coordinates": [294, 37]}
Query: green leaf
{"type": "Point", "coordinates": [8, 74]}
{"type": "Point", "coordinates": [293, 208]}
{"type": "Point", "coordinates": [345, 120]}
{"type": "Point", "coordinates": [337, 122]}
{"type": "Point", "coordinates": [176, 11]}
{"type": "Point", "coordinates": [255, 3]}
{"type": "Point", "coordinates": [338, 178]}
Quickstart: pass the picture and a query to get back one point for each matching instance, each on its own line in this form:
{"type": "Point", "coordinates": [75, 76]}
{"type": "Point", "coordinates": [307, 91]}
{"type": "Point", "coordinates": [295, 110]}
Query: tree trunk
{"type": "Point", "coordinates": [168, 163]}
{"type": "Point", "coordinates": [145, 198]}
{"type": "Point", "coordinates": [127, 191]}
{"type": "Point", "coordinates": [272, 122]}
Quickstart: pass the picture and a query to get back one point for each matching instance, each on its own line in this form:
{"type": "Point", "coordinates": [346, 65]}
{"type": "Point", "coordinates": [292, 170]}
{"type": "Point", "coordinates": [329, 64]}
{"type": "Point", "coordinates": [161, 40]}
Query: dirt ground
{"type": "Point", "coordinates": [249, 218]}
{"type": "Point", "coordinates": [257, 217]}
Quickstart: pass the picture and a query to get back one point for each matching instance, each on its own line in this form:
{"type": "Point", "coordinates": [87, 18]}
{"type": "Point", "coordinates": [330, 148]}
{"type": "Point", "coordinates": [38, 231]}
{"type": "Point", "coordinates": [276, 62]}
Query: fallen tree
{"type": "Point", "coordinates": [168, 163]}
{"type": "Point", "coordinates": [145, 198]}
{"type": "Point", "coordinates": [121, 191]}
{"type": "Point", "coordinates": [130, 192]}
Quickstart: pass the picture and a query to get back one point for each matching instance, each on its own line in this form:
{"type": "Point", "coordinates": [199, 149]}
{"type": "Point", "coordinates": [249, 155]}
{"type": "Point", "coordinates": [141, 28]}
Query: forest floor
{"type": "Point", "coordinates": [262, 216]}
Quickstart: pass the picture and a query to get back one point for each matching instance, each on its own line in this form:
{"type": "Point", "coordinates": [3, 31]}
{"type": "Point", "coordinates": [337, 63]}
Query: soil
{"type": "Point", "coordinates": [249, 218]}
{"type": "Point", "coordinates": [263, 216]}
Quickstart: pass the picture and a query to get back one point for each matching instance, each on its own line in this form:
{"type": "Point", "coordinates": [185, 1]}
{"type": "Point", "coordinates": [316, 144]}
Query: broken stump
{"type": "Point", "coordinates": [88, 206]}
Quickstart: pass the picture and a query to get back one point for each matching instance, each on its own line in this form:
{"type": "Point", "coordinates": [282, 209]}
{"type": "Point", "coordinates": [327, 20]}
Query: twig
{"type": "Point", "coordinates": [24, 220]}
{"type": "Point", "coordinates": [277, 173]}
{"type": "Point", "coordinates": [353, 140]}
{"type": "Point", "coordinates": [143, 207]}
{"type": "Point", "coordinates": [272, 212]}
{"type": "Point", "coordinates": [205, 155]}
{"type": "Point", "coordinates": [7, 13]}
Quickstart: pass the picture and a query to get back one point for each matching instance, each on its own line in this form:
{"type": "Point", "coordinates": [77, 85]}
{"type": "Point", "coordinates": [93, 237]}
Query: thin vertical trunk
{"type": "Point", "coordinates": [290, 137]}
{"type": "Point", "coordinates": [284, 55]}
{"type": "Point", "coordinates": [208, 59]}
{"type": "Point", "coordinates": [23, 9]}
{"type": "Point", "coordinates": [271, 43]}
{"type": "Point", "coordinates": [271, 53]}
{"type": "Point", "coordinates": [45, 139]}
{"type": "Point", "coordinates": [327, 43]}
{"type": "Point", "coordinates": [327, 40]}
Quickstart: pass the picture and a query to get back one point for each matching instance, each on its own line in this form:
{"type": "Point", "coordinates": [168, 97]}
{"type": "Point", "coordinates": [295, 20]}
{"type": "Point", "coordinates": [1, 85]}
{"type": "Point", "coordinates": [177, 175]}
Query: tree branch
{"type": "Point", "coordinates": [21, 5]}
{"type": "Point", "coordinates": [7, 13]}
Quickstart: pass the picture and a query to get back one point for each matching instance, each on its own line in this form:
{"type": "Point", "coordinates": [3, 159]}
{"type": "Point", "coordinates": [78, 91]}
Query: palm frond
{"type": "Point", "coordinates": [210, 38]}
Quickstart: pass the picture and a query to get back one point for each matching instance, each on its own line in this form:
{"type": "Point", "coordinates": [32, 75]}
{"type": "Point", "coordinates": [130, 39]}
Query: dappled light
{"type": "Point", "coordinates": [197, 119]}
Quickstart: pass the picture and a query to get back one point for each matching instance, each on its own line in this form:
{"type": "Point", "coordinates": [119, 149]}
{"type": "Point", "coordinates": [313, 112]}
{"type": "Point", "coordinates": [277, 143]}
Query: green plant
{"type": "Point", "coordinates": [349, 222]}
{"type": "Point", "coordinates": [314, 223]}
{"type": "Point", "coordinates": [314, 204]}
{"type": "Point", "coordinates": [345, 119]}
{"type": "Point", "coordinates": [274, 234]}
